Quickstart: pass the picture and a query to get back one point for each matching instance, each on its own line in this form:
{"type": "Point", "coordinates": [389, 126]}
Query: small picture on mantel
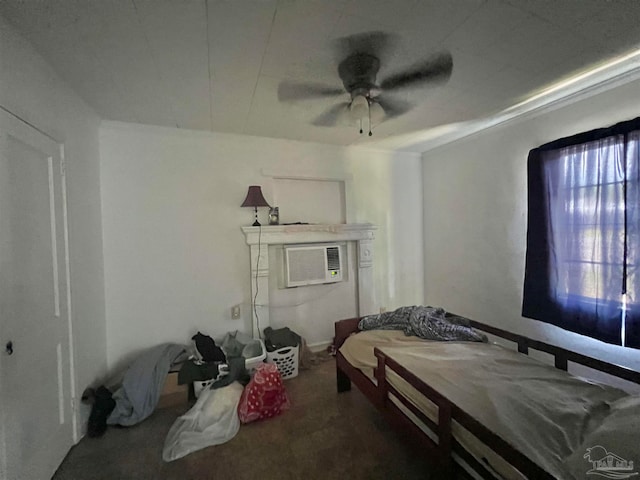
{"type": "Point", "coordinates": [274, 215]}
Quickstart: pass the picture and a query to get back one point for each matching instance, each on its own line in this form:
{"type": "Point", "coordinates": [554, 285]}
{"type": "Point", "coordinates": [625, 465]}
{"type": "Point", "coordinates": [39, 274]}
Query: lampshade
{"type": "Point", "coordinates": [254, 198]}
{"type": "Point", "coordinates": [359, 108]}
{"type": "Point", "coordinates": [376, 113]}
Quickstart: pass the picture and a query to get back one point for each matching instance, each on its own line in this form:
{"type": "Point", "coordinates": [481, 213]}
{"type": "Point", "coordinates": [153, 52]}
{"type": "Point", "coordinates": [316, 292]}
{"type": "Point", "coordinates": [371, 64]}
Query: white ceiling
{"type": "Point", "coordinates": [216, 65]}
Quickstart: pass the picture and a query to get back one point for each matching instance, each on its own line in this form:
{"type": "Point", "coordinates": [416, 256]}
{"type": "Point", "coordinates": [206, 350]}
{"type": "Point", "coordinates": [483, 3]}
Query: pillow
{"type": "Point", "coordinates": [611, 449]}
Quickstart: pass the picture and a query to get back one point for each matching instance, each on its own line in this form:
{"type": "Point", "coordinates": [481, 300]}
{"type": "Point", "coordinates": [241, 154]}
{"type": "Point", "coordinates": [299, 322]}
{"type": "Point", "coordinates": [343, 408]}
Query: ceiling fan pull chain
{"type": "Point", "coordinates": [361, 126]}
{"type": "Point", "coordinates": [369, 111]}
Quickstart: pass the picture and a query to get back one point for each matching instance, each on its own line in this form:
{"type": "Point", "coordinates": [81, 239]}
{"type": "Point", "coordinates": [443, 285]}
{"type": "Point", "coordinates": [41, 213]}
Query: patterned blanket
{"type": "Point", "coordinates": [428, 323]}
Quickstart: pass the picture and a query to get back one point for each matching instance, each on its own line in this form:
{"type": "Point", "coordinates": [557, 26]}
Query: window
{"type": "Point", "coordinates": [583, 238]}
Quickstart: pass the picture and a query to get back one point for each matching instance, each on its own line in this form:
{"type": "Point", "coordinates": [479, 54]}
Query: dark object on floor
{"type": "Point", "coordinates": [103, 405]}
{"type": "Point", "coordinates": [237, 371]}
{"type": "Point", "coordinates": [88, 396]}
{"type": "Point", "coordinates": [207, 348]}
{"type": "Point", "coordinates": [192, 372]}
{"type": "Point", "coordinates": [280, 338]}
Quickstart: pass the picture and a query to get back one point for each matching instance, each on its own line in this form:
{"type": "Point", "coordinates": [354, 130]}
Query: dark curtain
{"type": "Point", "coordinates": [582, 243]}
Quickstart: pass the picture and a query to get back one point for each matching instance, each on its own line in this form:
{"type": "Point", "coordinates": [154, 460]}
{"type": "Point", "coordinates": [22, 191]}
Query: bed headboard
{"type": "Point", "coordinates": [344, 328]}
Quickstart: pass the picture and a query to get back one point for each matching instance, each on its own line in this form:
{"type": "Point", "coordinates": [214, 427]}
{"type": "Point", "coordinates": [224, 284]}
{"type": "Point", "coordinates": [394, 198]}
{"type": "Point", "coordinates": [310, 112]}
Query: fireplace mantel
{"type": "Point", "coordinates": [260, 238]}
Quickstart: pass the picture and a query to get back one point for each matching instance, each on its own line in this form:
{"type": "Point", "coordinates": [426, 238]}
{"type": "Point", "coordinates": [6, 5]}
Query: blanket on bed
{"type": "Point", "coordinates": [428, 323]}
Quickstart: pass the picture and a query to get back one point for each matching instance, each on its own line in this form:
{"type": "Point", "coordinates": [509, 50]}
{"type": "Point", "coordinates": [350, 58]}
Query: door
{"type": "Point", "coordinates": [35, 363]}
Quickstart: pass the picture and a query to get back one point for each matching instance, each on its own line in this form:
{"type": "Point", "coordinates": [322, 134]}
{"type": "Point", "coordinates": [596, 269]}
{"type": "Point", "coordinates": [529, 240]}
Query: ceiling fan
{"type": "Point", "coordinates": [359, 59]}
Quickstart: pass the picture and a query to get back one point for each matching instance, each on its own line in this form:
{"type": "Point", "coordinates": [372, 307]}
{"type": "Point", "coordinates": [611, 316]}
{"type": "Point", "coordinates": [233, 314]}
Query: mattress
{"type": "Point", "coordinates": [540, 410]}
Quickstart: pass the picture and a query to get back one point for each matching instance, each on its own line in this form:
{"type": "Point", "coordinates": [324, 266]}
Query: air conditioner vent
{"type": "Point", "coordinates": [333, 258]}
{"type": "Point", "coordinates": [312, 264]}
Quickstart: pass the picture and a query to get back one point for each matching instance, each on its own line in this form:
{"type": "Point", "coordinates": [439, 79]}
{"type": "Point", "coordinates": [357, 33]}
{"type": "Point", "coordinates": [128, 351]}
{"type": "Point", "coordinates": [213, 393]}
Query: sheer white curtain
{"type": "Point", "coordinates": [586, 228]}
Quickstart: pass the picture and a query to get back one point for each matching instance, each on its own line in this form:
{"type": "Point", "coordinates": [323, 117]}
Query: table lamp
{"type": "Point", "coordinates": [255, 199]}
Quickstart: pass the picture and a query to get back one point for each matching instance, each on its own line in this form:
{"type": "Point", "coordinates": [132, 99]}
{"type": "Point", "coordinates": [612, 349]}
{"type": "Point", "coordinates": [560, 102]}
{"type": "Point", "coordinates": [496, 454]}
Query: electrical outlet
{"type": "Point", "coordinates": [235, 312]}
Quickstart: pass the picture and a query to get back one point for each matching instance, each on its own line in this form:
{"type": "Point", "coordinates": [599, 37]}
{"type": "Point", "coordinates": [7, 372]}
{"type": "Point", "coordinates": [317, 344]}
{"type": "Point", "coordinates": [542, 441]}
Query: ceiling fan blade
{"type": "Point", "coordinates": [290, 91]}
{"type": "Point", "coordinates": [330, 117]}
{"type": "Point", "coordinates": [371, 43]}
{"type": "Point", "coordinates": [436, 69]}
{"type": "Point", "coordinates": [393, 107]}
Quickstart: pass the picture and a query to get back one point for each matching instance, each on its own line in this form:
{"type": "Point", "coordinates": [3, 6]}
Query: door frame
{"type": "Point", "coordinates": [67, 265]}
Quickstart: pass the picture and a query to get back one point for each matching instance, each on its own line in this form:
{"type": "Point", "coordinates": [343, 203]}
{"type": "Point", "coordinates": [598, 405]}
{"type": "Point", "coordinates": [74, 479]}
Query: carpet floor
{"type": "Point", "coordinates": [325, 435]}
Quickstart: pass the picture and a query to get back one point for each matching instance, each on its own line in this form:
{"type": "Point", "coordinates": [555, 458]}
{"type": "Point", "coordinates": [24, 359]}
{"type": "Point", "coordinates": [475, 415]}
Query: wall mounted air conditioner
{"type": "Point", "coordinates": [312, 264]}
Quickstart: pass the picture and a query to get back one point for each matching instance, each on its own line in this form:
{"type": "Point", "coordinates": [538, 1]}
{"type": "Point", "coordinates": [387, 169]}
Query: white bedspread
{"type": "Point", "coordinates": [542, 411]}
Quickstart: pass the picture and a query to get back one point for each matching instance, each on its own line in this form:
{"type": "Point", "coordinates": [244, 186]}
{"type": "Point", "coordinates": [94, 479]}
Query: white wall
{"type": "Point", "coordinates": [175, 256]}
{"type": "Point", "coordinates": [475, 208]}
{"type": "Point", "coordinates": [30, 89]}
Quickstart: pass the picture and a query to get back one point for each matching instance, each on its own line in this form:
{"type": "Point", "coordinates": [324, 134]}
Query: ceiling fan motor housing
{"type": "Point", "coordinates": [358, 73]}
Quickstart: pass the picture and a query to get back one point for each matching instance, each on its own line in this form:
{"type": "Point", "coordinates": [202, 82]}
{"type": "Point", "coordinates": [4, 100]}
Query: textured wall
{"type": "Point", "coordinates": [475, 207]}
{"type": "Point", "coordinates": [175, 256]}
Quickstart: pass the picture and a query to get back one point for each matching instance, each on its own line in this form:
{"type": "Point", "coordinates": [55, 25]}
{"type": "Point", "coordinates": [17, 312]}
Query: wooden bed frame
{"type": "Point", "coordinates": [440, 454]}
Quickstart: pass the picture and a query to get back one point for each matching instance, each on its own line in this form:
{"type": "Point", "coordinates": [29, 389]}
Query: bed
{"type": "Point", "coordinates": [483, 410]}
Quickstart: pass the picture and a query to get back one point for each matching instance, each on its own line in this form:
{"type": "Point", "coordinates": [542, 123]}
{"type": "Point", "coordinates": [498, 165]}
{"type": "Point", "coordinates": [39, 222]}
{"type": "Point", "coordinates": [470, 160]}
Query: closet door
{"type": "Point", "coordinates": [35, 363]}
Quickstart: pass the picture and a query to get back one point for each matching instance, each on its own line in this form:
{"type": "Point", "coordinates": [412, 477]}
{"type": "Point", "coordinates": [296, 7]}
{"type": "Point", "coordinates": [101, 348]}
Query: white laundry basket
{"type": "Point", "coordinates": [251, 363]}
{"type": "Point", "coordinates": [257, 355]}
{"type": "Point", "coordinates": [286, 359]}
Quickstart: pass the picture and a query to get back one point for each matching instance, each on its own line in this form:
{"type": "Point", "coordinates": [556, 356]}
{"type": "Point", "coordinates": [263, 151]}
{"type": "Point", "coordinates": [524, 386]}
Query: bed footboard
{"type": "Point", "coordinates": [441, 451]}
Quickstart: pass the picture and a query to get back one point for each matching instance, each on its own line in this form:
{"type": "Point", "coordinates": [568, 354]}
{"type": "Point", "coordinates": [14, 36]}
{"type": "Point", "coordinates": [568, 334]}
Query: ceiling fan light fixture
{"type": "Point", "coordinates": [359, 107]}
{"type": "Point", "coordinates": [377, 113]}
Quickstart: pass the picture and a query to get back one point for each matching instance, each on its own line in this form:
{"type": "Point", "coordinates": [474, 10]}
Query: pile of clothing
{"type": "Point", "coordinates": [223, 365]}
{"type": "Point", "coordinates": [134, 397]}
{"type": "Point", "coordinates": [231, 398]}
{"type": "Point", "coordinates": [280, 338]}
{"type": "Point", "coordinates": [428, 323]}
{"type": "Point", "coordinates": [218, 412]}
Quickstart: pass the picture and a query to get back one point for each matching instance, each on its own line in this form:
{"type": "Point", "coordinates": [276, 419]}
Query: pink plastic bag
{"type": "Point", "coordinates": [264, 396]}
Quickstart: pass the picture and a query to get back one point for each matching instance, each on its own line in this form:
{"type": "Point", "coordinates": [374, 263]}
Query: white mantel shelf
{"type": "Point", "coordinates": [260, 238]}
{"type": "Point", "coordinates": [283, 234]}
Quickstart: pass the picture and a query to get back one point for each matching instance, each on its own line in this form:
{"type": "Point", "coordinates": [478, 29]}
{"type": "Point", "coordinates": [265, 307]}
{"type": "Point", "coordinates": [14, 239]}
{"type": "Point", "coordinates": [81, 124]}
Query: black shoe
{"type": "Point", "coordinates": [102, 408]}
